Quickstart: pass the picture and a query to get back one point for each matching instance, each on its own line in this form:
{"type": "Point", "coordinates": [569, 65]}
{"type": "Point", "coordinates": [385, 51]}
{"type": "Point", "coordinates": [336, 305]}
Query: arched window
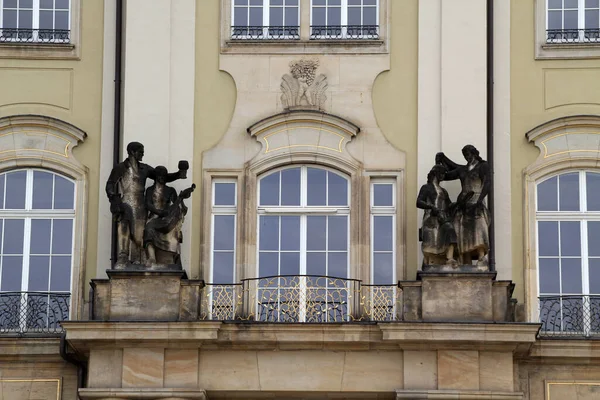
{"type": "Point", "coordinates": [37, 212]}
{"type": "Point", "coordinates": [303, 237]}
{"type": "Point", "coordinates": [568, 233]}
{"type": "Point", "coordinates": [303, 224]}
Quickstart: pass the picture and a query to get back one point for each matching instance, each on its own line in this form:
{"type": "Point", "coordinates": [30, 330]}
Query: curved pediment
{"type": "Point", "coordinates": [568, 137]}
{"type": "Point", "coordinates": [304, 132]}
{"type": "Point", "coordinates": [35, 140]}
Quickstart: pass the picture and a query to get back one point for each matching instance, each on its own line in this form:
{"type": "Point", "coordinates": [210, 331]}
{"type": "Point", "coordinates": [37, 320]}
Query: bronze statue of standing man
{"type": "Point", "coordinates": [125, 189]}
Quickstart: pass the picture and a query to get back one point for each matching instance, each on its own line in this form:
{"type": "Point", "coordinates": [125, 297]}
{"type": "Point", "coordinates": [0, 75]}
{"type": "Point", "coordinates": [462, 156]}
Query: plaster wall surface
{"type": "Point", "coordinates": [69, 88]}
{"type": "Point", "coordinates": [541, 91]}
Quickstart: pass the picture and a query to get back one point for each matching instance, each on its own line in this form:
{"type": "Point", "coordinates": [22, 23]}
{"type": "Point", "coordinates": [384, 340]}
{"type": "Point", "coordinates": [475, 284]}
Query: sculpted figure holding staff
{"type": "Point", "coordinates": [125, 189]}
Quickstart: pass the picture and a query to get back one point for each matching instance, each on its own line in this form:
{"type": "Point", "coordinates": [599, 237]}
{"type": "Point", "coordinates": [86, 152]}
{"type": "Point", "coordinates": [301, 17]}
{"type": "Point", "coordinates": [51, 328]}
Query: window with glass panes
{"type": "Point", "coordinates": [35, 20]}
{"type": "Point", "coordinates": [568, 233]}
{"type": "Point", "coordinates": [224, 221]}
{"type": "Point", "coordinates": [383, 222]}
{"type": "Point", "coordinates": [576, 20]}
{"type": "Point", "coordinates": [36, 240]}
{"type": "Point", "coordinates": [344, 18]}
{"type": "Point", "coordinates": [265, 19]}
{"type": "Point", "coordinates": [303, 229]}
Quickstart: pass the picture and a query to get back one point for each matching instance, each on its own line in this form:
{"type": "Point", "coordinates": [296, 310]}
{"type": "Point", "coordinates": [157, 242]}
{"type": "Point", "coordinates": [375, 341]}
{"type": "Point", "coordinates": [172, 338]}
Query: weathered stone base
{"type": "Point", "coordinates": [148, 394]}
{"type": "Point", "coordinates": [456, 394]}
{"type": "Point", "coordinates": [138, 360]}
{"type": "Point", "coordinates": [440, 295]}
{"type": "Point", "coordinates": [144, 295]}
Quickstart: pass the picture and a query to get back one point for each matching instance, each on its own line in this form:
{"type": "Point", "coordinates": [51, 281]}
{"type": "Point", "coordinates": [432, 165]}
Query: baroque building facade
{"type": "Point", "coordinates": [309, 126]}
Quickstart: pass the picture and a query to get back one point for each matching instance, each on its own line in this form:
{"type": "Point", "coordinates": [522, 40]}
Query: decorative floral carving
{"type": "Point", "coordinates": [303, 88]}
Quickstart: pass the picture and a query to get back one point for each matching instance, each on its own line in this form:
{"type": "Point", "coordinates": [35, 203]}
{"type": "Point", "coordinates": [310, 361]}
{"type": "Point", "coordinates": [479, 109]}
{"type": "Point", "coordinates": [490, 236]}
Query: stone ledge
{"type": "Point", "coordinates": [566, 349]}
{"type": "Point", "coordinates": [518, 337]}
{"type": "Point", "coordinates": [25, 346]}
{"type": "Point", "coordinates": [147, 394]}
{"type": "Point", "coordinates": [82, 334]}
{"type": "Point", "coordinates": [456, 394]}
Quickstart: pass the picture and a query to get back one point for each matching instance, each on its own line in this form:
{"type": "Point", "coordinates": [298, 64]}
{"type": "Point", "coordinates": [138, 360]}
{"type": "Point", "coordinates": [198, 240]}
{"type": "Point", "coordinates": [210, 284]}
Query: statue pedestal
{"type": "Point", "coordinates": [459, 295]}
{"type": "Point", "coordinates": [144, 295]}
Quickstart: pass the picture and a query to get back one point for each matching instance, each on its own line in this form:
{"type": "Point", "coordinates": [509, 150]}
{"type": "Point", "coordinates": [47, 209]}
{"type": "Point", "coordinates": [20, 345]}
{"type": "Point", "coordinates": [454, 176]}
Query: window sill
{"type": "Point", "coordinates": [36, 51]}
{"type": "Point", "coordinates": [268, 46]}
{"type": "Point", "coordinates": [552, 46]}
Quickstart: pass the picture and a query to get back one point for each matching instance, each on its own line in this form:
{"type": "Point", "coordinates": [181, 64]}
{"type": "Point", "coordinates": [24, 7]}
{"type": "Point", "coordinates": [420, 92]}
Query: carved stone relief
{"type": "Point", "coordinates": [302, 88]}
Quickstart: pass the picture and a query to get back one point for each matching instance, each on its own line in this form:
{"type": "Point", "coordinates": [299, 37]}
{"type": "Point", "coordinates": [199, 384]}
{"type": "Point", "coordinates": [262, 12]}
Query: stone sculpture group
{"type": "Point", "coordinates": [456, 233]}
{"type": "Point", "coordinates": [148, 220]}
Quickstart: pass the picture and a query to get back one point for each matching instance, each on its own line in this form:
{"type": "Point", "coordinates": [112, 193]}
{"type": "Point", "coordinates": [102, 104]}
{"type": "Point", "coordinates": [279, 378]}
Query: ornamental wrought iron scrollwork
{"type": "Point", "coordinates": [24, 35]}
{"type": "Point", "coordinates": [33, 312]}
{"type": "Point", "coordinates": [265, 32]}
{"type": "Point", "coordinates": [569, 316]}
{"type": "Point", "coordinates": [347, 32]}
{"type": "Point", "coordinates": [573, 36]}
{"type": "Point", "coordinates": [300, 298]}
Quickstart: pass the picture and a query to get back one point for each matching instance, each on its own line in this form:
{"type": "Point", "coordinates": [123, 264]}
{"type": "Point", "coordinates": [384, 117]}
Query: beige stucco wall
{"type": "Point", "coordinates": [541, 90]}
{"type": "Point", "coordinates": [67, 89]}
{"type": "Point", "coordinates": [394, 99]}
{"type": "Point", "coordinates": [395, 106]}
{"type": "Point", "coordinates": [214, 103]}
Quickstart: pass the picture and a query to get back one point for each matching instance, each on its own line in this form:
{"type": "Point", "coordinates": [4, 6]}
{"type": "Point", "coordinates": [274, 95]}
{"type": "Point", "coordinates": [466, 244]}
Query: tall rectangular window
{"type": "Point", "coordinates": [383, 236]}
{"type": "Point", "coordinates": [573, 21]}
{"type": "Point", "coordinates": [35, 21]}
{"type": "Point", "coordinates": [265, 19]}
{"type": "Point", "coordinates": [344, 19]}
{"type": "Point", "coordinates": [224, 210]}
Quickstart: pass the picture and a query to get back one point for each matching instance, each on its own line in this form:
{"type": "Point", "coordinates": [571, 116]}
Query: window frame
{"type": "Point", "coordinates": [28, 214]}
{"type": "Point", "coordinates": [383, 211]}
{"type": "Point", "coordinates": [35, 9]}
{"type": "Point", "coordinates": [343, 27]}
{"type": "Point", "coordinates": [223, 210]}
{"type": "Point", "coordinates": [581, 28]}
{"type": "Point", "coordinates": [265, 33]}
{"type": "Point", "coordinates": [582, 216]}
{"type": "Point", "coordinates": [304, 211]}
{"type": "Point", "coordinates": [545, 49]}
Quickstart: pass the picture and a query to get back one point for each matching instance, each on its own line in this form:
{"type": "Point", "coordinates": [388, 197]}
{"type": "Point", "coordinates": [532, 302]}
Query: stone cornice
{"type": "Point", "coordinates": [565, 349]}
{"type": "Point", "coordinates": [144, 393]}
{"type": "Point", "coordinates": [508, 337]}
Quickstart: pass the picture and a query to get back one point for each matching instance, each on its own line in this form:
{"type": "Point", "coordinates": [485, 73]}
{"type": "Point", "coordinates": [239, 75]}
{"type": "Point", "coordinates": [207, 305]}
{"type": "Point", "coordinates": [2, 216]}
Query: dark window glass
{"type": "Point", "coordinates": [569, 192]}
{"type": "Point", "coordinates": [549, 276]}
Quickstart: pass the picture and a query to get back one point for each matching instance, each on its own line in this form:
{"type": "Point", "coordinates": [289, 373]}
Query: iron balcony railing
{"type": "Point", "coordinates": [24, 313]}
{"type": "Point", "coordinates": [301, 298]}
{"type": "Point", "coordinates": [265, 32]}
{"type": "Point", "coordinates": [570, 316]}
{"type": "Point", "coordinates": [573, 36]}
{"type": "Point", "coordinates": [21, 35]}
{"type": "Point", "coordinates": [351, 32]}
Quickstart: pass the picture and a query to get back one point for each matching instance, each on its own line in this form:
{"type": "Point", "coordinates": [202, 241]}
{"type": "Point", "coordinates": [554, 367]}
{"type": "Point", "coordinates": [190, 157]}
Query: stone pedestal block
{"type": "Point", "coordinates": [142, 295]}
{"type": "Point", "coordinates": [459, 295]}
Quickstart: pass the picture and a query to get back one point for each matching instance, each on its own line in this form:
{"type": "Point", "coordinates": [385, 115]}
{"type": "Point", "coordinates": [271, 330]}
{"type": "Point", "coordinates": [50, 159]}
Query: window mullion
{"type": "Point", "coordinates": [29, 190]}
{"type": "Point", "coordinates": [582, 192]}
{"type": "Point", "coordinates": [266, 12]}
{"type": "Point", "coordinates": [584, 258]}
{"type": "Point", "coordinates": [581, 15]}
{"type": "Point", "coordinates": [35, 24]}
{"type": "Point", "coordinates": [303, 233]}
{"type": "Point", "coordinates": [26, 251]}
